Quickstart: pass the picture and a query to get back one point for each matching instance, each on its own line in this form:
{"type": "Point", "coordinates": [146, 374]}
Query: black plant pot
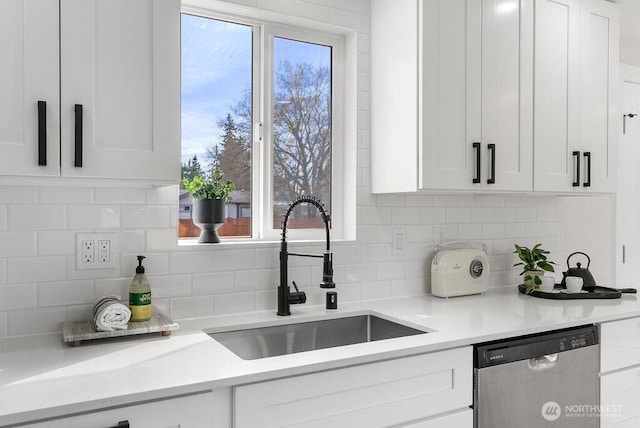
{"type": "Point", "coordinates": [209, 216]}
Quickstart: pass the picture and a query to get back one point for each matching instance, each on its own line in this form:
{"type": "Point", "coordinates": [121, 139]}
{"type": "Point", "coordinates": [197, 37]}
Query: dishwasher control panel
{"type": "Point", "coordinates": [525, 347]}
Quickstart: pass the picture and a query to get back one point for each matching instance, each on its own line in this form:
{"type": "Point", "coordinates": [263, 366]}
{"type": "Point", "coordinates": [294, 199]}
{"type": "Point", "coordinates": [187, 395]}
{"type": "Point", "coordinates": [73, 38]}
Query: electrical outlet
{"type": "Point", "coordinates": [439, 235]}
{"type": "Point", "coordinates": [104, 250]}
{"type": "Point", "coordinates": [88, 251]}
{"type": "Point", "coordinates": [95, 251]}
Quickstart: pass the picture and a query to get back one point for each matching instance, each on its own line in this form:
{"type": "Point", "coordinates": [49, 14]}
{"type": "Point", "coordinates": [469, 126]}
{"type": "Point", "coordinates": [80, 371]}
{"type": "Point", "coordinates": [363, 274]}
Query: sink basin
{"type": "Point", "coordinates": [262, 342]}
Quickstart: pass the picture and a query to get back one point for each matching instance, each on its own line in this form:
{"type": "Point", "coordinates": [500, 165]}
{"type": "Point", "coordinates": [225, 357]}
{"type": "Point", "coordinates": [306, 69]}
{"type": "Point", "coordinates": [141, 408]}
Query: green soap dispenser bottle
{"type": "Point", "coordinates": [140, 295]}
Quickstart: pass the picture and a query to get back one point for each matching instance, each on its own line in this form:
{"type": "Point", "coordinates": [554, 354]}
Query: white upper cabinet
{"type": "Point", "coordinates": [576, 75]}
{"type": "Point", "coordinates": [460, 89]}
{"type": "Point", "coordinates": [115, 104]}
{"type": "Point", "coordinates": [29, 82]}
{"type": "Point", "coordinates": [460, 117]}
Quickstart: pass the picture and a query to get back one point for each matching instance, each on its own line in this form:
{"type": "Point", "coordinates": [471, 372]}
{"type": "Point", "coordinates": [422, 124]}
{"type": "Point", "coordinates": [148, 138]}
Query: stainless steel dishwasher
{"type": "Point", "coordinates": [546, 380]}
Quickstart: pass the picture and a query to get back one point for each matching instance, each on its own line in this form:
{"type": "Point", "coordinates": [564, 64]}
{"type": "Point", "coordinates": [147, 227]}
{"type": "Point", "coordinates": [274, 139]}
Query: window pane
{"type": "Point", "coordinates": [216, 115]}
{"type": "Point", "coordinates": [301, 129]}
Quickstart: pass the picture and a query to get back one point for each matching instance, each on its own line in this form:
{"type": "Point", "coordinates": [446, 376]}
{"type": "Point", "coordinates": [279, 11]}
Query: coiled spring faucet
{"type": "Point", "coordinates": [287, 297]}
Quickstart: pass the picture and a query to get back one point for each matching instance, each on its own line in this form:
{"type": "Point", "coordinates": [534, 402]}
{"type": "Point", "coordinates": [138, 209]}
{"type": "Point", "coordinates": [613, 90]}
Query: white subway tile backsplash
{"type": "Point", "coordinates": [146, 216]}
{"type": "Point", "coordinates": [191, 262]}
{"type": "Point", "coordinates": [458, 215]}
{"type": "Point", "coordinates": [192, 307]}
{"type": "Point", "coordinates": [433, 215]}
{"type": "Point", "coordinates": [34, 269]}
{"type": "Point", "coordinates": [227, 260]}
{"type": "Point", "coordinates": [214, 283]}
{"type": "Point", "coordinates": [60, 293]}
{"type": "Point", "coordinates": [170, 286]}
{"type": "Point", "coordinates": [404, 215]}
{"type": "Point", "coordinates": [266, 299]}
{"type": "Point", "coordinates": [18, 194]}
{"type": "Point", "coordinates": [112, 286]}
{"type": "Point", "coordinates": [56, 243]}
{"type": "Point", "coordinates": [133, 241]}
{"type": "Point", "coordinates": [253, 280]}
{"type": "Point", "coordinates": [3, 324]}
{"type": "Point", "coordinates": [36, 217]}
{"type": "Point", "coordinates": [162, 239]}
{"type": "Point", "coordinates": [234, 302]}
{"type": "Point", "coordinates": [111, 196]}
{"type": "Point", "coordinates": [18, 297]}
{"type": "Point", "coordinates": [65, 195]}
{"type": "Point", "coordinates": [3, 217]}
{"type": "Point", "coordinates": [3, 271]}
{"type": "Point", "coordinates": [93, 217]}
{"type": "Point", "coordinates": [49, 320]}
{"type": "Point", "coordinates": [17, 244]}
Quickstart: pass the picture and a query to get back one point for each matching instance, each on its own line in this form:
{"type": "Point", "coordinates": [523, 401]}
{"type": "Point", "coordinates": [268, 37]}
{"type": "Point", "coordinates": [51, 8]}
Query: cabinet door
{"type": "Point", "coordinates": [462, 419]}
{"type": "Point", "coordinates": [394, 114]}
{"type": "Point", "coordinates": [599, 41]}
{"type": "Point", "coordinates": [29, 74]}
{"type": "Point", "coordinates": [382, 394]}
{"type": "Point", "coordinates": [556, 93]}
{"type": "Point", "coordinates": [476, 88]}
{"type": "Point", "coordinates": [451, 95]}
{"type": "Point", "coordinates": [507, 93]}
{"type": "Point", "coordinates": [192, 411]}
{"type": "Point", "coordinates": [619, 396]}
{"type": "Point", "coordinates": [120, 62]}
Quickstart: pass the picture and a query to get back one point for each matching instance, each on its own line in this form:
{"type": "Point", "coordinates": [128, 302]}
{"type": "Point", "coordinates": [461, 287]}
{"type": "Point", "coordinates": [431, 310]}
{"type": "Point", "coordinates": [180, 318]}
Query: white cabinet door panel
{"type": "Point", "coordinates": [29, 72]}
{"type": "Point", "coordinates": [120, 61]}
{"type": "Point", "coordinates": [462, 419]}
{"type": "Point", "coordinates": [381, 394]}
{"type": "Point", "coordinates": [556, 93]}
{"type": "Point", "coordinates": [598, 82]}
{"type": "Point", "coordinates": [619, 397]}
{"type": "Point", "coordinates": [193, 411]}
{"type": "Point", "coordinates": [619, 344]}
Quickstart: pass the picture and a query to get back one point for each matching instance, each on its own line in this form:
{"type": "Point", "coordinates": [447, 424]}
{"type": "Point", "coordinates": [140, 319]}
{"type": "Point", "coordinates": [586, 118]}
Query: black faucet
{"type": "Point", "coordinates": [285, 296]}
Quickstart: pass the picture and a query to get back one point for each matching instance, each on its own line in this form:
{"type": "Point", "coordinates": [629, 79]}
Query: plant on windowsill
{"type": "Point", "coordinates": [211, 192]}
{"type": "Point", "coordinates": [535, 263]}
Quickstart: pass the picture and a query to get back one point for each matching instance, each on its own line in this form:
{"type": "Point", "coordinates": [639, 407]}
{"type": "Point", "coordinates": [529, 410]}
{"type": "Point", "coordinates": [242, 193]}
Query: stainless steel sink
{"type": "Point", "coordinates": [262, 342]}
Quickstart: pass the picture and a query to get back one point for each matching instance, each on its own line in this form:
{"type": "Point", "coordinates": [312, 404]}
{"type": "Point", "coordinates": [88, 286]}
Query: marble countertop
{"type": "Point", "coordinates": [42, 377]}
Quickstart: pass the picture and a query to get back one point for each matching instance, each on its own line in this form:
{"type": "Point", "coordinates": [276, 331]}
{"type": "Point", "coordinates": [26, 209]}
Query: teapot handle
{"type": "Point", "coordinates": [579, 252]}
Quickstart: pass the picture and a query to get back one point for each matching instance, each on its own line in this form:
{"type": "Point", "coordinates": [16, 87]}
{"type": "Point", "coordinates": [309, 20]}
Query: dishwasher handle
{"type": "Point", "coordinates": [544, 362]}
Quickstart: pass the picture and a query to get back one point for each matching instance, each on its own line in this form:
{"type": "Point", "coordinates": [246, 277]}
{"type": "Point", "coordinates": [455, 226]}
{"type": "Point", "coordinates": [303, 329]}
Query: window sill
{"type": "Point", "coordinates": [250, 243]}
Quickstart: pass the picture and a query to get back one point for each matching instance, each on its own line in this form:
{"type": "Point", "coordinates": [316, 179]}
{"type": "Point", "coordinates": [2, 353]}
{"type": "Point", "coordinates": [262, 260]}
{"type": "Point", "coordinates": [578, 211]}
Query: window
{"type": "Point", "coordinates": [261, 102]}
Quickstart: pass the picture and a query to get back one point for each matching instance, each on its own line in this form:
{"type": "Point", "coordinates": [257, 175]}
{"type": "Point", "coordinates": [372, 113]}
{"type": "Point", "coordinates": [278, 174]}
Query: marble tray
{"type": "Point", "coordinates": [75, 332]}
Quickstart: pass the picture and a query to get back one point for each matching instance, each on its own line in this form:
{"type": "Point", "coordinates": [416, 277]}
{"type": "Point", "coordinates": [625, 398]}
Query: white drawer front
{"type": "Point", "coordinates": [381, 394]}
{"type": "Point", "coordinates": [193, 411]}
{"type": "Point", "coordinates": [463, 419]}
{"type": "Point", "coordinates": [619, 397]}
{"type": "Point", "coordinates": [619, 344]}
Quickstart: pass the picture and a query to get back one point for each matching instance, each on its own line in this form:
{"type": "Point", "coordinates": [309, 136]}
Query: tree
{"type": "Point", "coordinates": [191, 169]}
{"type": "Point", "coordinates": [302, 132]}
{"type": "Point", "coordinates": [233, 154]}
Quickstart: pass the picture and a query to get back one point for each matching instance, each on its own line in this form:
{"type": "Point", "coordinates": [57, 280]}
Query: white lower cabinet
{"type": "Point", "coordinates": [202, 410]}
{"type": "Point", "coordinates": [620, 373]}
{"type": "Point", "coordinates": [412, 391]}
{"type": "Point", "coordinates": [462, 419]}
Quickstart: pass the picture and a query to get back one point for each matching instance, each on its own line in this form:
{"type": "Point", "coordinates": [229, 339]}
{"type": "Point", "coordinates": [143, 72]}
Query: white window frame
{"type": "Point", "coordinates": [262, 145]}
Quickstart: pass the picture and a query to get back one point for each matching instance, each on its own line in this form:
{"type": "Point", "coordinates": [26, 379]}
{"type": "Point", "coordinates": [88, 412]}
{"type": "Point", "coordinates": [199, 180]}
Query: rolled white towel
{"type": "Point", "coordinates": [110, 314]}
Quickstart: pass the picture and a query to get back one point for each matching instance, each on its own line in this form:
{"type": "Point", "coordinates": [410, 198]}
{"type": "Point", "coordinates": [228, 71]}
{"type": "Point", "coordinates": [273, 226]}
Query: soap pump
{"type": "Point", "coordinates": [140, 295]}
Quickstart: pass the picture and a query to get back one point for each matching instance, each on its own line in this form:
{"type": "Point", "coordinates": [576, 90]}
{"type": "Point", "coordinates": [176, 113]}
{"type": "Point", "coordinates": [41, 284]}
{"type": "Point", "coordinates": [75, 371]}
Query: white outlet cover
{"type": "Point", "coordinates": [97, 262]}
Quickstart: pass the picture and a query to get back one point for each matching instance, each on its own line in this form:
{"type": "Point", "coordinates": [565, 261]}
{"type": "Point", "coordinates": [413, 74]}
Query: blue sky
{"type": "Point", "coordinates": [216, 67]}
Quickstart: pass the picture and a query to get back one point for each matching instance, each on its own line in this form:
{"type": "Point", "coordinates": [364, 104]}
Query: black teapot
{"type": "Point", "coordinates": [588, 283]}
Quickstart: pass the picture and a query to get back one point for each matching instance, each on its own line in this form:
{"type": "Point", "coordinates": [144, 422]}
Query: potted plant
{"type": "Point", "coordinates": [211, 192]}
{"type": "Point", "coordinates": [535, 263]}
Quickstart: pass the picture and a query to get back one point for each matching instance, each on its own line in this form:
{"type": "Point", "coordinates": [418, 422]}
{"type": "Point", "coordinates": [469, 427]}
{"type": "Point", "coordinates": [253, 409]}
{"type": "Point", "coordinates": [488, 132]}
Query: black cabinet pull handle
{"type": "Point", "coordinates": [122, 424]}
{"type": "Point", "coordinates": [42, 133]}
{"type": "Point", "coordinates": [476, 147]}
{"type": "Point", "coordinates": [492, 177]}
{"type": "Point", "coordinates": [587, 173]}
{"type": "Point", "coordinates": [576, 156]}
{"type": "Point", "coordinates": [78, 136]}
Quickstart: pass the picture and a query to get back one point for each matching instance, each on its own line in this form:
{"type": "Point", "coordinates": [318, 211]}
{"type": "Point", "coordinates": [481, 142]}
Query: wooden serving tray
{"type": "Point", "coordinates": [76, 332]}
{"type": "Point", "coordinates": [561, 293]}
